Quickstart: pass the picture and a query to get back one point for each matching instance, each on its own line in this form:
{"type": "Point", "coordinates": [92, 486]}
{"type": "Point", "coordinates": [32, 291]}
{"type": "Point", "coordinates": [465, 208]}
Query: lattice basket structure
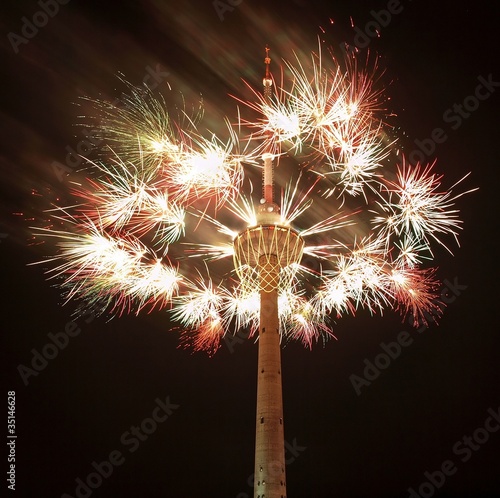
{"type": "Point", "coordinates": [267, 249]}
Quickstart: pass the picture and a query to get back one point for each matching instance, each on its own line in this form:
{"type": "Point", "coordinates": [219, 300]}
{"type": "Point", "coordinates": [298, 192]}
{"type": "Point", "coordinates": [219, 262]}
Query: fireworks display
{"type": "Point", "coordinates": [155, 223]}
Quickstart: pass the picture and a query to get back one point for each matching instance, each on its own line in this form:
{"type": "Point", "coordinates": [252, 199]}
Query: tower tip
{"type": "Point", "coordinates": [267, 78]}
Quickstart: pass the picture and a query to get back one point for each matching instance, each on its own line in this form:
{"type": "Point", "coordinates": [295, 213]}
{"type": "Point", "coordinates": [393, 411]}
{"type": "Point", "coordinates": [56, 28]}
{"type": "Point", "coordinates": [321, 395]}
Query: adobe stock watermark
{"type": "Point", "coordinates": [221, 7]}
{"type": "Point", "coordinates": [292, 452]}
{"type": "Point", "coordinates": [92, 141]}
{"type": "Point", "coordinates": [454, 116]}
{"type": "Point", "coordinates": [131, 439]}
{"type": "Point", "coordinates": [392, 350]}
{"type": "Point", "coordinates": [372, 28]}
{"type": "Point", "coordinates": [30, 28]}
{"type": "Point", "coordinates": [50, 350]}
{"type": "Point", "coordinates": [464, 449]}
{"type": "Point", "coordinates": [239, 337]}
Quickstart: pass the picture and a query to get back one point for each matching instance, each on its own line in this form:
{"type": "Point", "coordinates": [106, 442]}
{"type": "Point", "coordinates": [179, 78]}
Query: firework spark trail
{"type": "Point", "coordinates": [139, 126]}
{"type": "Point", "coordinates": [190, 166]}
{"type": "Point", "coordinates": [126, 200]}
{"type": "Point", "coordinates": [199, 310]}
{"type": "Point", "coordinates": [420, 212]}
{"type": "Point", "coordinates": [201, 302]}
{"type": "Point", "coordinates": [121, 192]}
{"type": "Point", "coordinates": [163, 216]}
{"type": "Point", "coordinates": [359, 159]}
{"type": "Point", "coordinates": [207, 168]}
{"type": "Point", "coordinates": [415, 293]}
{"type": "Point", "coordinates": [161, 172]}
{"type": "Point", "coordinates": [242, 304]}
{"type": "Point", "coordinates": [410, 253]}
{"type": "Point", "coordinates": [112, 274]}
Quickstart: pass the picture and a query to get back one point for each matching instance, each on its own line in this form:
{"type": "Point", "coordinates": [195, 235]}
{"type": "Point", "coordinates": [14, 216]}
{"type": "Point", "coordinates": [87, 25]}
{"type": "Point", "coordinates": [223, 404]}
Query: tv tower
{"type": "Point", "coordinates": [267, 248]}
{"type": "Point", "coordinates": [113, 242]}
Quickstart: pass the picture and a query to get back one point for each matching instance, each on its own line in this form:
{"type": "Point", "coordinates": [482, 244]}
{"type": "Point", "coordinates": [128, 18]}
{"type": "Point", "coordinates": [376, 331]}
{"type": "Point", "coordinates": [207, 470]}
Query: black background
{"type": "Point", "coordinates": [377, 444]}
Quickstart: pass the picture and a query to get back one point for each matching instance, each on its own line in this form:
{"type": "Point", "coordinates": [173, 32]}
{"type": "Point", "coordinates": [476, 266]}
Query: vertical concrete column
{"type": "Point", "coordinates": [270, 440]}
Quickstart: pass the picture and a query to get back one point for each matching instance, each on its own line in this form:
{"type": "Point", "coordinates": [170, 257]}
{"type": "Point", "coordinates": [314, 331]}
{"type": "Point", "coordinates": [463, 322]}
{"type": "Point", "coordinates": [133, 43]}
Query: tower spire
{"type": "Point", "coordinates": [267, 157]}
{"type": "Point", "coordinates": [267, 82]}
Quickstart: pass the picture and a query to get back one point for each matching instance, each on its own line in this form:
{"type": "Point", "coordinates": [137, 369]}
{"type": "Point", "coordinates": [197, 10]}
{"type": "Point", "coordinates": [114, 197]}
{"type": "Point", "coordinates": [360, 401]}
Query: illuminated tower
{"type": "Point", "coordinates": [265, 249]}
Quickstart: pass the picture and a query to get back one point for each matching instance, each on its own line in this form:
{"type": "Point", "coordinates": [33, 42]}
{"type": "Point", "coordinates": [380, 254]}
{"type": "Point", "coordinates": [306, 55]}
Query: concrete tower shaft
{"type": "Point", "coordinates": [266, 249]}
{"type": "Point", "coordinates": [270, 476]}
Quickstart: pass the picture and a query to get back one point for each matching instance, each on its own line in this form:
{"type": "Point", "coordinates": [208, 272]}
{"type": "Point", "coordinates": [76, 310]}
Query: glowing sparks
{"type": "Point", "coordinates": [208, 168]}
{"type": "Point", "coordinates": [415, 292]}
{"type": "Point", "coordinates": [112, 274]}
{"type": "Point", "coordinates": [417, 208]}
{"type": "Point", "coordinates": [200, 303]}
{"type": "Point", "coordinates": [159, 173]}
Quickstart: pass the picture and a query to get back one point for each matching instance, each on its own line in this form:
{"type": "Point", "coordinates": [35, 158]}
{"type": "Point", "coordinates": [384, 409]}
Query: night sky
{"type": "Point", "coordinates": [429, 421]}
